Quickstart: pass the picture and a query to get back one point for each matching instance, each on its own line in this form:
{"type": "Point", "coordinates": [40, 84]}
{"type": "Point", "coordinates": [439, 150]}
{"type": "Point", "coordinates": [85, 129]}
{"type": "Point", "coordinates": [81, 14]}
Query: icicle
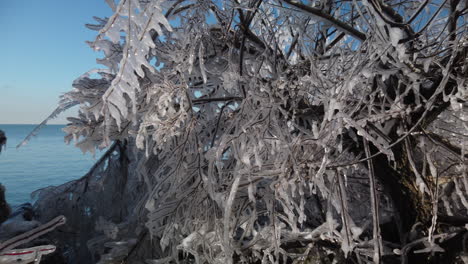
{"type": "Point", "coordinates": [201, 53]}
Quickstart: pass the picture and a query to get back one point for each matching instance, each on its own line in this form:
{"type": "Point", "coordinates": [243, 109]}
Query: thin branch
{"type": "Point", "coordinates": [337, 23]}
{"type": "Point", "coordinates": [439, 140]}
{"type": "Point", "coordinates": [374, 207]}
{"type": "Point", "coordinates": [216, 99]}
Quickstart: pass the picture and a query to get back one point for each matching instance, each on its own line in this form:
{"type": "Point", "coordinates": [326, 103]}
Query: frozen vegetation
{"type": "Point", "coordinates": [274, 131]}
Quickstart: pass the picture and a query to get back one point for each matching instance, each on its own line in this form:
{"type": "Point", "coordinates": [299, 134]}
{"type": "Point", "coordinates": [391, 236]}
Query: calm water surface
{"type": "Point", "coordinates": [45, 160]}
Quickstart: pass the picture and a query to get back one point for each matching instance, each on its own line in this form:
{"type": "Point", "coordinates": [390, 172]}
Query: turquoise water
{"type": "Point", "coordinates": [45, 160]}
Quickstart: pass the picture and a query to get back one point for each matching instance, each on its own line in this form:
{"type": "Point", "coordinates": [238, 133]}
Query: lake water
{"type": "Point", "coordinates": [46, 160]}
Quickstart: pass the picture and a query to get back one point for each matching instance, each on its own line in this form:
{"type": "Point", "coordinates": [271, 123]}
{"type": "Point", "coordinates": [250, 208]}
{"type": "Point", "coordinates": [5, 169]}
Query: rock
{"type": "Point", "coordinates": [25, 210]}
{"type": "Point", "coordinates": [3, 140]}
{"type": "Point", "coordinates": [5, 209]}
{"type": "Point", "coordinates": [20, 221]}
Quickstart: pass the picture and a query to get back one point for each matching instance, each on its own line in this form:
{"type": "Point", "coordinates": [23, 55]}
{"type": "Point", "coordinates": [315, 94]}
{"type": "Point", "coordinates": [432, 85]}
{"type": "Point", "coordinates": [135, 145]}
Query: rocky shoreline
{"type": "Point", "coordinates": [22, 220]}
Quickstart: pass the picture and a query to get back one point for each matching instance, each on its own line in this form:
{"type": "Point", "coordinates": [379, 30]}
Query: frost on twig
{"type": "Point", "coordinates": [266, 131]}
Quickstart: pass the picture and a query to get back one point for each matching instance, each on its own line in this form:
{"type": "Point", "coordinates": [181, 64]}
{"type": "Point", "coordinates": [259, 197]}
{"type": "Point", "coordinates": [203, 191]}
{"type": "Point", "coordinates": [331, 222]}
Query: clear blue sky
{"type": "Point", "coordinates": [42, 50]}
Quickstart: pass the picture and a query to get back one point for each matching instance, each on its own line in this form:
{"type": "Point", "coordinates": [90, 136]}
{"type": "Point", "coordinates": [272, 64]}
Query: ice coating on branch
{"type": "Point", "coordinates": [396, 34]}
{"type": "Point", "coordinates": [260, 164]}
{"type": "Point", "coordinates": [135, 48]}
{"type": "Point", "coordinates": [108, 228]}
